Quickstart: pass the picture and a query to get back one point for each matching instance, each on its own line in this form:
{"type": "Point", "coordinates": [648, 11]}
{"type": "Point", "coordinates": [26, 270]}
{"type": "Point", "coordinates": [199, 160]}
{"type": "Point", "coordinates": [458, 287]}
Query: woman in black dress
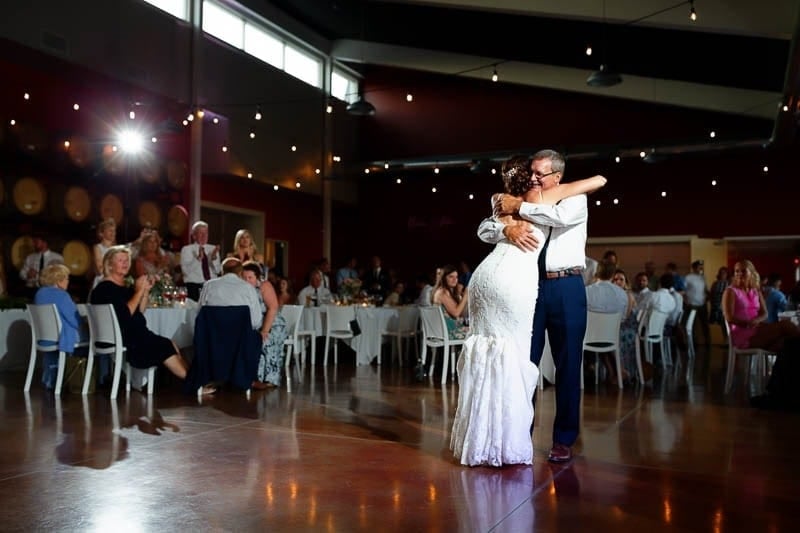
{"type": "Point", "coordinates": [144, 348]}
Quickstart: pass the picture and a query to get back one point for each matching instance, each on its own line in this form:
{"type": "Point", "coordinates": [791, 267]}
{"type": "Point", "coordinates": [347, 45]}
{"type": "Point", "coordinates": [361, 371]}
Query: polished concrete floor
{"type": "Point", "coordinates": [366, 449]}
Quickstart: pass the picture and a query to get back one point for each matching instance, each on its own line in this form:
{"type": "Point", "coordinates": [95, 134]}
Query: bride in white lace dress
{"type": "Point", "coordinates": [496, 377]}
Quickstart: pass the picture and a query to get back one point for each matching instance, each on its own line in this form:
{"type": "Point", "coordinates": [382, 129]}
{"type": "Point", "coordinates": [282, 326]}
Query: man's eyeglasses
{"type": "Point", "coordinates": [539, 176]}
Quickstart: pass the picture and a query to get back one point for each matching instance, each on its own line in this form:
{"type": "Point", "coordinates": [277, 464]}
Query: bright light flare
{"type": "Point", "coordinates": [131, 142]}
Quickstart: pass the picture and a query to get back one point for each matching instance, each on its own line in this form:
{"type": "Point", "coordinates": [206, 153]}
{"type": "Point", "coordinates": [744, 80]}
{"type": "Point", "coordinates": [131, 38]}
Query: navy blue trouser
{"type": "Point", "coordinates": [561, 311]}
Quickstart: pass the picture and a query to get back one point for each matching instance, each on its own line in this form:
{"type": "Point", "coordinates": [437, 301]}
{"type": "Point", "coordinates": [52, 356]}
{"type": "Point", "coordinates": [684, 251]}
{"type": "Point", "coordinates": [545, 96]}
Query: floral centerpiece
{"type": "Point", "coordinates": [162, 290]}
{"type": "Point", "coordinates": [350, 288]}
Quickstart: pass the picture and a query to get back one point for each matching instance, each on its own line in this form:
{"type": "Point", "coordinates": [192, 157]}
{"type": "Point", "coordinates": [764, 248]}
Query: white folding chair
{"type": "Point", "coordinates": [651, 333]}
{"type": "Point", "coordinates": [434, 334]}
{"type": "Point", "coordinates": [105, 337]}
{"type": "Point", "coordinates": [337, 327]}
{"type": "Point", "coordinates": [759, 356]}
{"type": "Point", "coordinates": [602, 336]}
{"type": "Point", "coordinates": [404, 326]}
{"type": "Point", "coordinates": [292, 313]}
{"type": "Point", "coordinates": [46, 330]}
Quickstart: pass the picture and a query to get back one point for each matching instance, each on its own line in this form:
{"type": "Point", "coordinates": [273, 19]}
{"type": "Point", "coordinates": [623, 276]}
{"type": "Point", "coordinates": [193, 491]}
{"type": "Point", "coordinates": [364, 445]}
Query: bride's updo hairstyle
{"type": "Point", "coordinates": [517, 175]}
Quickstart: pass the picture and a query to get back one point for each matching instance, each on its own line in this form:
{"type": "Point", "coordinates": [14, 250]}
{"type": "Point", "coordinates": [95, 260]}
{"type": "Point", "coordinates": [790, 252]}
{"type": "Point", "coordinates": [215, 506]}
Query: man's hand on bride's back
{"type": "Point", "coordinates": [520, 236]}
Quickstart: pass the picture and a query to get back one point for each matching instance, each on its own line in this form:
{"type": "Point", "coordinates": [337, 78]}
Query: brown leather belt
{"type": "Point", "coordinates": [567, 272]}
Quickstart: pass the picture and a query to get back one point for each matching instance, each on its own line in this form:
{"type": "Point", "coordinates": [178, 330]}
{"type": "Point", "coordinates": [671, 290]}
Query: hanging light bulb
{"type": "Point", "coordinates": [409, 97]}
{"type": "Point", "coordinates": [495, 77]}
{"type": "Point", "coordinates": [692, 12]}
{"type": "Point", "coordinates": [589, 50]}
{"type": "Point", "coordinates": [257, 116]}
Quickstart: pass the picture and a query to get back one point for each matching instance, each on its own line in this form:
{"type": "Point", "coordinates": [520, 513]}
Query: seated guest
{"type": "Point", "coordinates": [35, 262]}
{"type": "Point", "coordinates": [151, 260]}
{"type": "Point", "coordinates": [200, 261]}
{"type": "Point", "coordinates": [453, 302]}
{"type": "Point", "coordinates": [144, 348]}
{"type": "Point", "coordinates": [603, 296]}
{"type": "Point", "coordinates": [745, 311]}
{"type": "Point", "coordinates": [347, 272]}
{"type": "Point", "coordinates": [53, 282]}
{"type": "Point", "coordinates": [314, 293]}
{"type": "Point", "coordinates": [774, 298]}
{"type": "Point", "coordinates": [231, 289]}
{"type": "Point", "coordinates": [396, 296]}
{"type": "Point", "coordinates": [226, 333]}
{"type": "Point", "coordinates": [273, 329]}
{"type": "Point", "coordinates": [285, 292]}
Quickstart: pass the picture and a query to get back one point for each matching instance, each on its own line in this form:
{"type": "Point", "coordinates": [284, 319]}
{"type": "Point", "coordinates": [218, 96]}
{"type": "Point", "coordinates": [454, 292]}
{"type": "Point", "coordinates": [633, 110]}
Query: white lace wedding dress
{"type": "Point", "coordinates": [496, 378]}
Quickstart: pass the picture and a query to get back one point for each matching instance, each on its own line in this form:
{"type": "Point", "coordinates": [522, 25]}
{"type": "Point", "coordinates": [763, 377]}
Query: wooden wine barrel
{"type": "Point", "coordinates": [30, 196]}
{"type": "Point", "coordinates": [79, 152]}
{"type": "Point", "coordinates": [77, 257]}
{"type": "Point", "coordinates": [150, 169]}
{"type": "Point", "coordinates": [149, 215]}
{"type": "Point", "coordinates": [22, 248]}
{"type": "Point", "coordinates": [176, 174]}
{"type": "Point", "coordinates": [77, 203]}
{"type": "Point", "coordinates": [111, 207]}
{"type": "Point", "coordinates": [177, 220]}
{"type": "Point", "coordinates": [113, 160]}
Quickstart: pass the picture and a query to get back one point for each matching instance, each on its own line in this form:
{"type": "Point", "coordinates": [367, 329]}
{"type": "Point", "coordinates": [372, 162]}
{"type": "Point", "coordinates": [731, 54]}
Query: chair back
{"type": "Point", "coordinates": [339, 317]}
{"type": "Point", "coordinates": [654, 330]}
{"type": "Point", "coordinates": [690, 322]}
{"type": "Point", "coordinates": [292, 314]}
{"type": "Point", "coordinates": [433, 324]}
{"type": "Point", "coordinates": [408, 319]}
{"type": "Point", "coordinates": [105, 337]}
{"type": "Point", "coordinates": [226, 348]}
{"type": "Point", "coordinates": [45, 326]}
{"type": "Point", "coordinates": [602, 331]}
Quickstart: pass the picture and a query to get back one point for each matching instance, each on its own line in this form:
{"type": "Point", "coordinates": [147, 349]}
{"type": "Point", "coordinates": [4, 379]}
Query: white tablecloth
{"type": "Point", "coordinates": [794, 316]}
{"type": "Point", "coordinates": [176, 323]}
{"type": "Point", "coordinates": [372, 321]}
{"type": "Point", "coordinates": [15, 339]}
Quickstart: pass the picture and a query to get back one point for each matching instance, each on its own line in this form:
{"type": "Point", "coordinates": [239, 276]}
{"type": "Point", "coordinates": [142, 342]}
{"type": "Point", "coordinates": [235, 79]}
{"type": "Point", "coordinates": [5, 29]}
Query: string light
{"type": "Point", "coordinates": [399, 181]}
{"type": "Point", "coordinates": [275, 187]}
{"type": "Point", "coordinates": [712, 134]}
{"type": "Point", "coordinates": [317, 171]}
{"type": "Point", "coordinates": [409, 97]}
{"type": "Point", "coordinates": [257, 116]}
{"type": "Point", "coordinates": [495, 77]}
{"type": "Point", "coordinates": [26, 96]}
{"type": "Point", "coordinates": [252, 134]}
{"type": "Point", "coordinates": [297, 184]}
{"type": "Point", "coordinates": [617, 159]}
{"type": "Point", "coordinates": [692, 12]}
{"type": "Point", "coordinates": [589, 50]}
{"type": "Point", "coordinates": [293, 148]}
{"type": "Point", "coordinates": [215, 120]}
{"type": "Point", "coordinates": [249, 175]}
{"type": "Point", "coordinates": [76, 106]}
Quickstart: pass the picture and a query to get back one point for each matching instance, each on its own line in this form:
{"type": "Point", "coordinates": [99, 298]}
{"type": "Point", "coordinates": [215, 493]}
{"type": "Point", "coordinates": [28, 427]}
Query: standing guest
{"type": "Point", "coordinates": [244, 249]}
{"type": "Point", "coordinates": [376, 280]}
{"type": "Point", "coordinates": [143, 347]}
{"type": "Point", "coordinates": [745, 310]}
{"type": "Point", "coordinates": [347, 272]}
{"type": "Point", "coordinates": [107, 233]}
{"type": "Point", "coordinates": [36, 262]}
{"type": "Point", "coordinates": [273, 330]}
{"type": "Point", "coordinates": [652, 279]}
{"type": "Point", "coordinates": [715, 315]}
{"type": "Point", "coordinates": [324, 266]}
{"type": "Point", "coordinates": [561, 304]}
{"type": "Point", "coordinates": [200, 261]}
{"type": "Point", "coordinates": [696, 296]}
{"type": "Point", "coordinates": [774, 298]}
{"type": "Point", "coordinates": [53, 282]}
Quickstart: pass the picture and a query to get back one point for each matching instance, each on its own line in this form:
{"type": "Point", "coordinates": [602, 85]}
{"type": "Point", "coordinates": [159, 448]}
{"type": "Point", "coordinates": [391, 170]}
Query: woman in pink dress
{"type": "Point", "coordinates": [745, 310]}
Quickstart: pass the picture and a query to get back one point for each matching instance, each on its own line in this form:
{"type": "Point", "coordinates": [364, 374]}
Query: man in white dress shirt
{"type": "Point", "coordinates": [561, 304]}
{"type": "Point", "coordinates": [200, 261]}
{"type": "Point", "coordinates": [603, 296]}
{"type": "Point", "coordinates": [231, 289]}
{"type": "Point", "coordinates": [314, 293]}
{"type": "Point", "coordinates": [36, 262]}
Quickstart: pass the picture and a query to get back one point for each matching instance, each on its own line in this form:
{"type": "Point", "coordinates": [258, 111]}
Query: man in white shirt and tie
{"type": "Point", "coordinates": [200, 261]}
{"type": "Point", "coordinates": [36, 262]}
{"type": "Point", "coordinates": [314, 293]}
